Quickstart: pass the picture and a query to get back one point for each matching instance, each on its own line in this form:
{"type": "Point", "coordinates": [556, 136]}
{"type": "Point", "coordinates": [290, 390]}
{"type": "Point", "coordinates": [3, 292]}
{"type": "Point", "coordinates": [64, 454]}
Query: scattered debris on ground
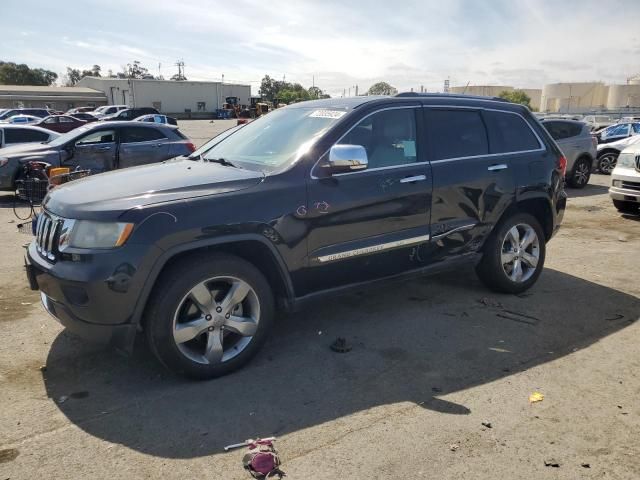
{"type": "Point", "coordinates": [585, 465]}
{"type": "Point", "coordinates": [340, 345]}
{"type": "Point", "coordinates": [487, 424]}
{"type": "Point", "coordinates": [536, 397]}
{"type": "Point", "coordinates": [262, 460]}
{"type": "Point", "coordinates": [453, 447]}
{"type": "Point", "coordinates": [552, 462]}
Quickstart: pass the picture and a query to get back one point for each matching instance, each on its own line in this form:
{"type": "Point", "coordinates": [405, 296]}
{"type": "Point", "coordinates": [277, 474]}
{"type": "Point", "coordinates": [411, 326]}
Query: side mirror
{"type": "Point", "coordinates": [347, 158]}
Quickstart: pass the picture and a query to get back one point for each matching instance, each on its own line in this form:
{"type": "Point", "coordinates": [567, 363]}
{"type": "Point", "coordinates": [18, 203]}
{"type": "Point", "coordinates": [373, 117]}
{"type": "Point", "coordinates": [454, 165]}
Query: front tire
{"type": "Point", "coordinates": [209, 315]}
{"type": "Point", "coordinates": [626, 207]}
{"type": "Point", "coordinates": [580, 174]}
{"type": "Point", "coordinates": [513, 255]}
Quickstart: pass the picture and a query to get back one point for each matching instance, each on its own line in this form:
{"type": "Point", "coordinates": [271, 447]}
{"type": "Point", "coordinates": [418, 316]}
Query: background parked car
{"type": "Point", "coordinates": [130, 114]}
{"type": "Point", "coordinates": [596, 122]}
{"type": "Point", "coordinates": [61, 123]}
{"type": "Point", "coordinates": [11, 135]}
{"type": "Point", "coordinates": [80, 110]}
{"type": "Point", "coordinates": [618, 131]}
{"type": "Point", "coordinates": [625, 180]}
{"type": "Point", "coordinates": [87, 117]}
{"type": "Point", "coordinates": [23, 120]}
{"type": "Point", "coordinates": [577, 145]}
{"type": "Point", "coordinates": [36, 112]}
{"type": "Point", "coordinates": [99, 147]}
{"type": "Point", "coordinates": [157, 118]}
{"type": "Point", "coordinates": [108, 110]}
{"type": "Point", "coordinates": [608, 153]}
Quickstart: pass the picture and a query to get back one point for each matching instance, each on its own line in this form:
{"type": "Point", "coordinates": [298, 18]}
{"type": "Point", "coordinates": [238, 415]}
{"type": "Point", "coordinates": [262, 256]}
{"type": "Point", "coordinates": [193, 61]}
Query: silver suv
{"type": "Point", "coordinates": [625, 180]}
{"type": "Point", "coordinates": [577, 145]}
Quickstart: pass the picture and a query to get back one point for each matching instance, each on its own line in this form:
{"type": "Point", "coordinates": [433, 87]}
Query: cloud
{"type": "Point", "coordinates": [342, 44]}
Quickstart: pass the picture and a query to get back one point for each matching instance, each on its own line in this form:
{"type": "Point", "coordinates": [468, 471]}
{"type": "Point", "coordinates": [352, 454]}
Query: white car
{"type": "Point", "coordinates": [625, 180]}
{"type": "Point", "coordinates": [596, 122]}
{"type": "Point", "coordinates": [107, 110]}
{"type": "Point", "coordinates": [607, 153]}
{"type": "Point", "coordinates": [23, 120]}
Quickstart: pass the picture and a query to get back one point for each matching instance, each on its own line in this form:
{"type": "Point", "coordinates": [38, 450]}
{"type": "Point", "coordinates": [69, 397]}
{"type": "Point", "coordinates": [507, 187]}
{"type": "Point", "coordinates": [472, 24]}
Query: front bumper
{"type": "Point", "coordinates": [624, 194]}
{"type": "Point", "coordinates": [95, 299]}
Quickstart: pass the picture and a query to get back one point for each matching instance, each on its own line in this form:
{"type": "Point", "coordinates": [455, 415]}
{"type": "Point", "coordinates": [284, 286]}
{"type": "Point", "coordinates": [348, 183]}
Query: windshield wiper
{"type": "Point", "coordinates": [222, 161]}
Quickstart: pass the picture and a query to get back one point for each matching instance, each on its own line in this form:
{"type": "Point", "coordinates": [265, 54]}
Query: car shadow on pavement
{"type": "Point", "coordinates": [587, 191]}
{"type": "Point", "coordinates": [414, 341]}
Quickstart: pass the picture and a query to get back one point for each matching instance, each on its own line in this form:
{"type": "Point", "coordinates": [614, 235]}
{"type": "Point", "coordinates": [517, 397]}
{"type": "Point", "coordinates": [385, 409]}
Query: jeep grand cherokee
{"type": "Point", "coordinates": [308, 200]}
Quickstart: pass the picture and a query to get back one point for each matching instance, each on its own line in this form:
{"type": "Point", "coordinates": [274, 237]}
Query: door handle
{"type": "Point", "coordinates": [499, 166]}
{"type": "Point", "coordinates": [415, 178]}
{"type": "Point", "coordinates": [104, 148]}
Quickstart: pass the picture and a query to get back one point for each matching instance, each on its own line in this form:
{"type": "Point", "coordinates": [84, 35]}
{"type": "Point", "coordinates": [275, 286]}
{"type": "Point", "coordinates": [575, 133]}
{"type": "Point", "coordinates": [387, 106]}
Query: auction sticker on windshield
{"type": "Point", "coordinates": [328, 114]}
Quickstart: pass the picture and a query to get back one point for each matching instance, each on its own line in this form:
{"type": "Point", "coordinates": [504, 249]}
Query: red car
{"type": "Point", "coordinates": [61, 123]}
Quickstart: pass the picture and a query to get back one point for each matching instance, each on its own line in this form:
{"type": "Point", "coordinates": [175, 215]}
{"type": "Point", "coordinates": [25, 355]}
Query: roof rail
{"type": "Point", "coordinates": [449, 95]}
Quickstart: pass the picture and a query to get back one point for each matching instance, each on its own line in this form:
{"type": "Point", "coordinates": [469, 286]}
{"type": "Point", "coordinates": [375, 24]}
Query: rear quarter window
{"type": "Point", "coordinates": [509, 132]}
{"type": "Point", "coordinates": [562, 130]}
{"type": "Point", "coordinates": [23, 135]}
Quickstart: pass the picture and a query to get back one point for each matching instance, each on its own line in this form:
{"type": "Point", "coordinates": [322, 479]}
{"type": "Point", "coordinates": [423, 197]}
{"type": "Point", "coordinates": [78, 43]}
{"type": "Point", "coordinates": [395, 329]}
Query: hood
{"type": "Point", "coordinates": [618, 145]}
{"type": "Point", "coordinates": [109, 194]}
{"type": "Point", "coordinates": [25, 149]}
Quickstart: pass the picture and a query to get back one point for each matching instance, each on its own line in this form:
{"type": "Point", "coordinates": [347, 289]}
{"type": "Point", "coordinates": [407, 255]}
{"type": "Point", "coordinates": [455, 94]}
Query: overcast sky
{"type": "Point", "coordinates": [523, 43]}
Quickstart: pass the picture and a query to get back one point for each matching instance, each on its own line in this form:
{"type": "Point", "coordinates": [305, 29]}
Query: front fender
{"type": "Point", "coordinates": [164, 258]}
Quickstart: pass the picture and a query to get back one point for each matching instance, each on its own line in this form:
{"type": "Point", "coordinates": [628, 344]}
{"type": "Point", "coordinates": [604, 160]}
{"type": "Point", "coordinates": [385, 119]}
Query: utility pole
{"type": "Point", "coordinates": [180, 65]}
{"type": "Point", "coordinates": [356, 90]}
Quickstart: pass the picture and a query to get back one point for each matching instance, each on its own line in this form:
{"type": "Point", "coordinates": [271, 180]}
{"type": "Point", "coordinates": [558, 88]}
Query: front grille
{"type": "Point", "coordinates": [638, 163]}
{"type": "Point", "coordinates": [631, 186]}
{"type": "Point", "coordinates": [47, 230]}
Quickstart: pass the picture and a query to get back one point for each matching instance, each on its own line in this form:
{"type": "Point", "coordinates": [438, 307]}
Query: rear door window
{"type": "Point", "coordinates": [140, 134]}
{"type": "Point", "coordinates": [509, 133]}
{"type": "Point", "coordinates": [456, 133]}
{"type": "Point", "coordinates": [94, 138]}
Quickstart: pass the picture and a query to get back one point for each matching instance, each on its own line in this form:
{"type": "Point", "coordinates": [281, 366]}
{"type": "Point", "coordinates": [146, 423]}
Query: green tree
{"type": "Point", "coordinates": [382, 88]}
{"type": "Point", "coordinates": [516, 96]}
{"type": "Point", "coordinates": [315, 92]}
{"type": "Point", "coordinates": [73, 76]}
{"type": "Point", "coordinates": [14, 74]}
{"type": "Point", "coordinates": [136, 70]}
{"type": "Point", "coordinates": [92, 72]}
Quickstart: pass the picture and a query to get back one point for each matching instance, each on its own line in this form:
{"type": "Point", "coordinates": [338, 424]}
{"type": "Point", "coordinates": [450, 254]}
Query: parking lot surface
{"type": "Point", "coordinates": [431, 361]}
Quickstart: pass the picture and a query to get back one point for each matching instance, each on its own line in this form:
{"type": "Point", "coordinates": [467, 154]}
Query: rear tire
{"type": "Point", "coordinates": [607, 162]}
{"type": "Point", "coordinates": [513, 255]}
{"type": "Point", "coordinates": [209, 315]}
{"type": "Point", "coordinates": [626, 207]}
{"type": "Point", "coordinates": [580, 174]}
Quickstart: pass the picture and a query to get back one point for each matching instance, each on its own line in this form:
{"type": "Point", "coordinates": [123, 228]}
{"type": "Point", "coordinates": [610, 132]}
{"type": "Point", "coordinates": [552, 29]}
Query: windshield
{"type": "Point", "coordinates": [73, 134]}
{"type": "Point", "coordinates": [214, 141]}
{"type": "Point", "coordinates": [278, 137]}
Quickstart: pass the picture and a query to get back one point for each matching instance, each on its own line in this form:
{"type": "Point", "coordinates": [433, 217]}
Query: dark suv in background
{"type": "Point", "coordinates": [309, 200]}
{"type": "Point", "coordinates": [130, 114]}
{"type": "Point", "coordinates": [36, 112]}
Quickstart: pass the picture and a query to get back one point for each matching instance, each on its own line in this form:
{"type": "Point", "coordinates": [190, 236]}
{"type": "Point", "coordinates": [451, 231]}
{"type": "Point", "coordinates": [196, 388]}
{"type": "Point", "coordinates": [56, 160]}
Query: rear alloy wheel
{"type": "Point", "coordinates": [513, 255]}
{"type": "Point", "coordinates": [607, 162]}
{"type": "Point", "coordinates": [209, 316]}
{"type": "Point", "coordinates": [580, 174]}
{"type": "Point", "coordinates": [626, 207]}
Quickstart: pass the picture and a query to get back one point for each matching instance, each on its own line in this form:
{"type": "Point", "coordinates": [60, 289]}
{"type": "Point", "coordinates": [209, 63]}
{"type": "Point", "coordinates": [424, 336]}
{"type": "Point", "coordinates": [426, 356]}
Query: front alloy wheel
{"type": "Point", "coordinates": [216, 320]}
{"type": "Point", "coordinates": [209, 315]}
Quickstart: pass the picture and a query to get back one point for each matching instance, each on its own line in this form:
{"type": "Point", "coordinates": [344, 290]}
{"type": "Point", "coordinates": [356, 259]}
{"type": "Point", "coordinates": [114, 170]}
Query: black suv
{"type": "Point", "coordinates": [130, 114]}
{"type": "Point", "coordinates": [36, 112]}
{"type": "Point", "coordinates": [310, 199]}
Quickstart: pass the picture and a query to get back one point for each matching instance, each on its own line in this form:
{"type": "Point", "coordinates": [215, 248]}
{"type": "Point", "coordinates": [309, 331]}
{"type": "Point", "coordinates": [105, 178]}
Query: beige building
{"type": "Point", "coordinates": [585, 96]}
{"type": "Point", "coordinates": [495, 91]}
{"type": "Point", "coordinates": [174, 98]}
{"type": "Point", "coordinates": [55, 98]}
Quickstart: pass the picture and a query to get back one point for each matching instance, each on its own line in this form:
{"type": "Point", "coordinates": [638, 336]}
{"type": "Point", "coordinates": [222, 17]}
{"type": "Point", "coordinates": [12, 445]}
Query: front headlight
{"type": "Point", "coordinates": [90, 234]}
{"type": "Point", "coordinates": [3, 161]}
{"type": "Point", "coordinates": [626, 160]}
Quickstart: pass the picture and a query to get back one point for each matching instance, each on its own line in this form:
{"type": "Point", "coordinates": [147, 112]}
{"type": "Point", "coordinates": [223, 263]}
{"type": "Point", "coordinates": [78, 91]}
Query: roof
{"type": "Point", "coordinates": [350, 103]}
{"type": "Point", "coordinates": [48, 90]}
{"type": "Point", "coordinates": [166, 82]}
